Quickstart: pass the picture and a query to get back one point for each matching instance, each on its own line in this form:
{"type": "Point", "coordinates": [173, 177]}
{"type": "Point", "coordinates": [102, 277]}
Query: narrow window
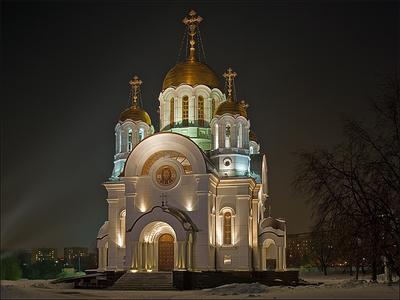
{"type": "Point", "coordinates": [216, 143]}
{"type": "Point", "coordinates": [171, 112]}
{"type": "Point", "coordinates": [201, 111]}
{"type": "Point", "coordinates": [227, 136]}
{"type": "Point", "coordinates": [251, 150]}
{"type": "Point", "coordinates": [141, 134]}
{"type": "Point", "coordinates": [122, 228]}
{"type": "Point", "coordinates": [185, 111]}
{"type": "Point", "coordinates": [227, 228]}
{"type": "Point", "coordinates": [212, 107]}
{"type": "Point", "coordinates": [119, 141]}
{"type": "Point", "coordinates": [116, 143]}
{"type": "Point", "coordinates": [240, 136]}
{"type": "Point", "coordinates": [129, 139]}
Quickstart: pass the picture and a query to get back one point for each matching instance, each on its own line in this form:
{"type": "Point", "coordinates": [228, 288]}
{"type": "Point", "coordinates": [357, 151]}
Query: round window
{"type": "Point", "coordinates": [227, 162]}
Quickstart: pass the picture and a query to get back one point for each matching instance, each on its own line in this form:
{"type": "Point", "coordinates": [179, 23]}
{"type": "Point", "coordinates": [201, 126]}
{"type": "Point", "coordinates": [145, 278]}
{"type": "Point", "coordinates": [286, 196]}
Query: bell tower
{"type": "Point", "coordinates": [230, 134]}
{"type": "Point", "coordinates": [133, 126]}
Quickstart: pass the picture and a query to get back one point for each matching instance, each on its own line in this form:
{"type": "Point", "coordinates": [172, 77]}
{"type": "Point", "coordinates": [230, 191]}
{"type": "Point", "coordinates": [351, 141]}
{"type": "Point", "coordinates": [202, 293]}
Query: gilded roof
{"type": "Point", "coordinates": [135, 114]}
{"type": "Point", "coordinates": [232, 107]}
{"type": "Point", "coordinates": [252, 136]}
{"type": "Point", "coordinates": [191, 72]}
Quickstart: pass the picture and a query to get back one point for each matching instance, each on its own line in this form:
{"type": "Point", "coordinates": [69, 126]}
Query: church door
{"type": "Point", "coordinates": [166, 252]}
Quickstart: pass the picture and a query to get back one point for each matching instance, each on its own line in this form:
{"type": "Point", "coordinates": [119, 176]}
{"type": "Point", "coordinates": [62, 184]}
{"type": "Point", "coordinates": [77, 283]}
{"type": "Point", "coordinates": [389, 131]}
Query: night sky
{"type": "Point", "coordinates": [302, 66]}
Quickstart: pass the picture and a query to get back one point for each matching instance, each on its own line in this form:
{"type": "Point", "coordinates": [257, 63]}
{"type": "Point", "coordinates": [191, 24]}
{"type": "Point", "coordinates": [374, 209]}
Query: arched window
{"type": "Point", "coordinates": [216, 134]}
{"type": "Point", "coordinates": [240, 136]}
{"type": "Point", "coordinates": [227, 136]}
{"type": "Point", "coordinates": [122, 228]}
{"type": "Point", "coordinates": [185, 111]}
{"type": "Point", "coordinates": [129, 139]}
{"type": "Point", "coordinates": [251, 150]}
{"type": "Point", "coordinates": [141, 134]}
{"type": "Point", "coordinates": [171, 112]}
{"type": "Point", "coordinates": [227, 228]}
{"type": "Point", "coordinates": [201, 111]}
{"type": "Point", "coordinates": [116, 143]}
{"type": "Point", "coordinates": [212, 107]}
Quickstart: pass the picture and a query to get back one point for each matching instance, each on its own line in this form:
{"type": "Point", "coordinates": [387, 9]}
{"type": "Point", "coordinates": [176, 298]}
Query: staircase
{"type": "Point", "coordinates": [144, 281]}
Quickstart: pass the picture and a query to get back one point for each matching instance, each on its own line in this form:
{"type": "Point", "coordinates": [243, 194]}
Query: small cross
{"type": "Point", "coordinates": [229, 75]}
{"type": "Point", "coordinates": [135, 85]}
{"type": "Point", "coordinates": [163, 197]}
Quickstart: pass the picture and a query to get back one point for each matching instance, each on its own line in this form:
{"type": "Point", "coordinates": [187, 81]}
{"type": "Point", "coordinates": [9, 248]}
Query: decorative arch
{"type": "Point", "coordinates": [165, 141]}
{"type": "Point", "coordinates": [179, 157]}
{"type": "Point", "coordinates": [227, 226]}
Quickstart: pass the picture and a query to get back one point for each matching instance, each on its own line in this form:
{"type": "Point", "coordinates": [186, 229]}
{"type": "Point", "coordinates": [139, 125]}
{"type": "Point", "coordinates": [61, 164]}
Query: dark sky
{"type": "Point", "coordinates": [302, 67]}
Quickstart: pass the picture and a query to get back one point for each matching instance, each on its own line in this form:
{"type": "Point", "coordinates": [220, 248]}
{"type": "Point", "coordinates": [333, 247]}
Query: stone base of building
{"type": "Point", "coordinates": [187, 280]}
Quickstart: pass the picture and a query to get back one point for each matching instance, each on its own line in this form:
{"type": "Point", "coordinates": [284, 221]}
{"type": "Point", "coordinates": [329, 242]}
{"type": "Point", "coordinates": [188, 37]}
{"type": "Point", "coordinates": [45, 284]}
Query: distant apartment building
{"type": "Point", "coordinates": [71, 254]}
{"type": "Point", "coordinates": [44, 254]}
{"type": "Point", "coordinates": [299, 249]}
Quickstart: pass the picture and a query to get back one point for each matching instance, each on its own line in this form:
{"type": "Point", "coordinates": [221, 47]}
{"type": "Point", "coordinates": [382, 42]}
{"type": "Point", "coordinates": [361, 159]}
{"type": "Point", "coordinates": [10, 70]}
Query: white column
{"type": "Point", "coordinates": [113, 219]}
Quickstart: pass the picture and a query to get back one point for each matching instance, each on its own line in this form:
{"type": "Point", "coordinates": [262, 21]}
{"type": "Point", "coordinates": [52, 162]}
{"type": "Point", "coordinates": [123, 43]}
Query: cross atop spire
{"type": "Point", "coordinates": [229, 75]}
{"type": "Point", "coordinates": [135, 90]}
{"type": "Point", "coordinates": [192, 21]}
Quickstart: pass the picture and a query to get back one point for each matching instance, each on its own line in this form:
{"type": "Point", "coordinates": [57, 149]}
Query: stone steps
{"type": "Point", "coordinates": [144, 281]}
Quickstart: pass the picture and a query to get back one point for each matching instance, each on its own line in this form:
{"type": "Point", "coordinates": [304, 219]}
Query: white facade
{"type": "Point", "coordinates": [193, 196]}
{"type": "Point", "coordinates": [192, 208]}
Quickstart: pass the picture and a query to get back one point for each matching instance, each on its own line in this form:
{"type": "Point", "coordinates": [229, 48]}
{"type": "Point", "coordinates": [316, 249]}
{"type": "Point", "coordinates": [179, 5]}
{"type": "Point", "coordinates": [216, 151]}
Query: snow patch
{"type": "Point", "coordinates": [238, 289]}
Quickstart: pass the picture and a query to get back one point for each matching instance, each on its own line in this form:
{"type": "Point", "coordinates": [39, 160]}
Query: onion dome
{"type": "Point", "coordinates": [230, 106]}
{"type": "Point", "coordinates": [135, 112]}
{"type": "Point", "coordinates": [191, 71]}
{"type": "Point", "coordinates": [273, 223]}
{"type": "Point", "coordinates": [252, 136]}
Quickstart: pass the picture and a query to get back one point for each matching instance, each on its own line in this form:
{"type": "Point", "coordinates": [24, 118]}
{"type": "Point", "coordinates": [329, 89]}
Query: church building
{"type": "Point", "coordinates": [194, 195]}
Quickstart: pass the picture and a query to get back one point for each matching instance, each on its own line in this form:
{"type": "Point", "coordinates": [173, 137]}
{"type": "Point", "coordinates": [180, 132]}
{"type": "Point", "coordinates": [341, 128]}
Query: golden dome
{"type": "Point", "coordinates": [252, 136]}
{"type": "Point", "coordinates": [191, 72]}
{"type": "Point", "coordinates": [232, 107]}
{"type": "Point", "coordinates": [135, 114]}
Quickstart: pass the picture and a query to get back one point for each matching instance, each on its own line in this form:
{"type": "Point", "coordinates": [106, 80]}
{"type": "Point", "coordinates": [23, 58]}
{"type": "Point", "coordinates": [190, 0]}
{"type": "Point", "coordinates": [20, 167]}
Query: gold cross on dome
{"type": "Point", "coordinates": [135, 86]}
{"type": "Point", "coordinates": [192, 21]}
{"type": "Point", "coordinates": [229, 75]}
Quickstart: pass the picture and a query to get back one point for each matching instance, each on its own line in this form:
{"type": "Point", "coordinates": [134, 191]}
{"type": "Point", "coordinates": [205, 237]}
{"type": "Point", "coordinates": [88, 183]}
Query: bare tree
{"type": "Point", "coordinates": [354, 188]}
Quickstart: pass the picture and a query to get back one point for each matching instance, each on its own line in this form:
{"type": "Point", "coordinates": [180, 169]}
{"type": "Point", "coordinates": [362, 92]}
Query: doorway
{"type": "Point", "coordinates": [166, 252]}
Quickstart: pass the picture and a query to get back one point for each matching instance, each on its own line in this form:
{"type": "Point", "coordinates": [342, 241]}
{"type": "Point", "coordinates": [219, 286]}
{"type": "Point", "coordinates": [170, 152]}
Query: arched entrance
{"type": "Point", "coordinates": [271, 256]}
{"type": "Point", "coordinates": [166, 252]}
{"type": "Point", "coordinates": [158, 247]}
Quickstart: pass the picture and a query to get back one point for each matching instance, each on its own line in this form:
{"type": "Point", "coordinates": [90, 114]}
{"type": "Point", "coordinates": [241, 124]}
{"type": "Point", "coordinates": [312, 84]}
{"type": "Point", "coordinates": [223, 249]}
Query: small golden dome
{"type": "Point", "coordinates": [191, 72]}
{"type": "Point", "coordinates": [252, 136]}
{"type": "Point", "coordinates": [135, 114]}
{"type": "Point", "coordinates": [232, 107]}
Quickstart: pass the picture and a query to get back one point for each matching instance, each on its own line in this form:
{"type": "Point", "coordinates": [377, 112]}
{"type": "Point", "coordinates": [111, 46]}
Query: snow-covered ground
{"type": "Point", "coordinates": [333, 287]}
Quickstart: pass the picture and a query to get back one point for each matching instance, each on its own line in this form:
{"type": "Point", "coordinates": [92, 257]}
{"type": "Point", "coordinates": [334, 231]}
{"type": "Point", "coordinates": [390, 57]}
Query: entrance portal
{"type": "Point", "coordinates": [166, 252]}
